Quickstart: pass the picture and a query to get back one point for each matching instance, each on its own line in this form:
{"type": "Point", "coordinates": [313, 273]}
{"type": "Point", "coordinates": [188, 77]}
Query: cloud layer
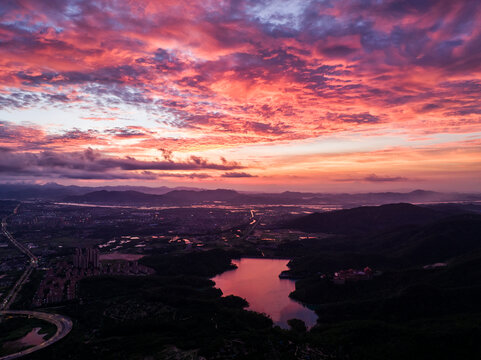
{"type": "Point", "coordinates": [91, 164]}
{"type": "Point", "coordinates": [217, 75]}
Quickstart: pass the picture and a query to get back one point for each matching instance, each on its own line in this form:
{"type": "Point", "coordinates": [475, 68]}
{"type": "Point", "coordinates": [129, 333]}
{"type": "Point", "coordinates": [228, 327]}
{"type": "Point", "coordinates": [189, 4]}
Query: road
{"type": "Point", "coordinates": [253, 224]}
{"type": "Point", "coordinates": [63, 324]}
{"type": "Point", "coordinates": [19, 246]}
{"type": "Point", "coordinates": [10, 298]}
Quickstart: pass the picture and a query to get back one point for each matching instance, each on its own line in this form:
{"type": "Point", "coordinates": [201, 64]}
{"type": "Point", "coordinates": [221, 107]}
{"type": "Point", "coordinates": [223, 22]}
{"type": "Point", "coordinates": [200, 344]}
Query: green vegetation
{"type": "Point", "coordinates": [366, 219]}
{"type": "Point", "coordinates": [450, 337]}
{"type": "Point", "coordinates": [297, 325]}
{"type": "Point", "coordinates": [24, 297]}
{"type": "Point", "coordinates": [122, 317]}
{"type": "Point", "coordinates": [406, 312]}
{"type": "Point", "coordinates": [208, 263]}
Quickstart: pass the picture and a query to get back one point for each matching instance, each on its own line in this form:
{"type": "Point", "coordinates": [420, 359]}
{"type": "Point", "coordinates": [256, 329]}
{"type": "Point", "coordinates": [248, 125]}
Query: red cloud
{"type": "Point", "coordinates": [226, 74]}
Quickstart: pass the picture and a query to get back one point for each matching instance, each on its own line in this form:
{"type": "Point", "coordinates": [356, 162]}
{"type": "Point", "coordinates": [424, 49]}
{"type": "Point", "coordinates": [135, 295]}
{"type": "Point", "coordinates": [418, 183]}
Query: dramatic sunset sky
{"type": "Point", "coordinates": [328, 95]}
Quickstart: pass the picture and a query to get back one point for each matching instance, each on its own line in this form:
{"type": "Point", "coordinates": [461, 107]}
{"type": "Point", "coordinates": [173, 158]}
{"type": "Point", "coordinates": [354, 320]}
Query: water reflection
{"type": "Point", "coordinates": [257, 280]}
{"type": "Point", "coordinates": [32, 338]}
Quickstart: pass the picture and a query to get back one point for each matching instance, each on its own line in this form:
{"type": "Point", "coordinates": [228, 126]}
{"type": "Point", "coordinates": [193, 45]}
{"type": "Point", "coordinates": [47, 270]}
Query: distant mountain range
{"type": "Point", "coordinates": [175, 197]}
{"type": "Point", "coordinates": [53, 191]}
{"type": "Point", "coordinates": [137, 195]}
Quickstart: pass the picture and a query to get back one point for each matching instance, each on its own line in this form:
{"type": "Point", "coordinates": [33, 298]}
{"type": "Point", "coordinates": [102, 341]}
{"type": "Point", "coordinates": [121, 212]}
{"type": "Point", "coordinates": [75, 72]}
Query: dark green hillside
{"type": "Point", "coordinates": [444, 239]}
{"type": "Point", "coordinates": [407, 246]}
{"type": "Point", "coordinates": [407, 311]}
{"type": "Point", "coordinates": [208, 263]}
{"type": "Point", "coordinates": [366, 219]}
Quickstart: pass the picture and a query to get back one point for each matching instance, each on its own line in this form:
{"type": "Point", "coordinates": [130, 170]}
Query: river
{"type": "Point", "coordinates": [257, 281]}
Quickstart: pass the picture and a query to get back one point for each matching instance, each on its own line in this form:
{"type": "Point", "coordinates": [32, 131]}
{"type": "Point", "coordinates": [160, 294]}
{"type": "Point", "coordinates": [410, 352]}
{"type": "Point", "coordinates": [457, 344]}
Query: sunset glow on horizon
{"type": "Point", "coordinates": [268, 95]}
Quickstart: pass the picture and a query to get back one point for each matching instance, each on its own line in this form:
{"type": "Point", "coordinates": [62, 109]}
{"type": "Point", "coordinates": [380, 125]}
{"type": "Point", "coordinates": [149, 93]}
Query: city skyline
{"type": "Point", "coordinates": [348, 96]}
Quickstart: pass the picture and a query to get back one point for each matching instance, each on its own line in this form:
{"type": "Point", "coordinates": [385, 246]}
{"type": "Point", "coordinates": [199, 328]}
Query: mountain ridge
{"type": "Point", "coordinates": [56, 192]}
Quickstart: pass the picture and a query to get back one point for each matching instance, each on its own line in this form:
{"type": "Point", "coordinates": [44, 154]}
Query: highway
{"type": "Point", "coordinates": [10, 298]}
{"type": "Point", "coordinates": [253, 224]}
{"type": "Point", "coordinates": [19, 246]}
{"type": "Point", "coordinates": [63, 324]}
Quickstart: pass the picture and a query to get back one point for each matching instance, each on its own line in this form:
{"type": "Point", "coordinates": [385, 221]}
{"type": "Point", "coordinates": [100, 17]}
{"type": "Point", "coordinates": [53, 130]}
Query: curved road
{"type": "Point", "coordinates": [63, 324]}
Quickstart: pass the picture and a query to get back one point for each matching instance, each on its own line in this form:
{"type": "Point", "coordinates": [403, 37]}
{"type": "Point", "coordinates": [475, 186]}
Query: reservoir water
{"type": "Point", "coordinates": [257, 281]}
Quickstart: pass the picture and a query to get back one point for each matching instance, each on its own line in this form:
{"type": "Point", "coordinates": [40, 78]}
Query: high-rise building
{"type": "Point", "coordinates": [95, 259]}
{"type": "Point", "coordinates": [86, 258]}
{"type": "Point", "coordinates": [76, 257]}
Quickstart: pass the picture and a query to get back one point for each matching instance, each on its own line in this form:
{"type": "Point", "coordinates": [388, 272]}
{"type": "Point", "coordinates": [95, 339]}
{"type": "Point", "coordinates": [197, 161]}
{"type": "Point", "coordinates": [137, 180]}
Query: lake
{"type": "Point", "coordinates": [32, 338]}
{"type": "Point", "coordinates": [257, 281]}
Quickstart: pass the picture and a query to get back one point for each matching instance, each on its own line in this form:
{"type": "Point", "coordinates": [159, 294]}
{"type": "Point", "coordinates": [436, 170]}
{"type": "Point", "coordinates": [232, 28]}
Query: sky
{"type": "Point", "coordinates": [260, 95]}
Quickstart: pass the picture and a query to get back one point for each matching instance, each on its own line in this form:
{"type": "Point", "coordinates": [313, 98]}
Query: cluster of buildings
{"type": "Point", "coordinates": [86, 258]}
{"type": "Point", "coordinates": [60, 283]}
{"type": "Point", "coordinates": [49, 216]}
{"type": "Point", "coordinates": [342, 276]}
